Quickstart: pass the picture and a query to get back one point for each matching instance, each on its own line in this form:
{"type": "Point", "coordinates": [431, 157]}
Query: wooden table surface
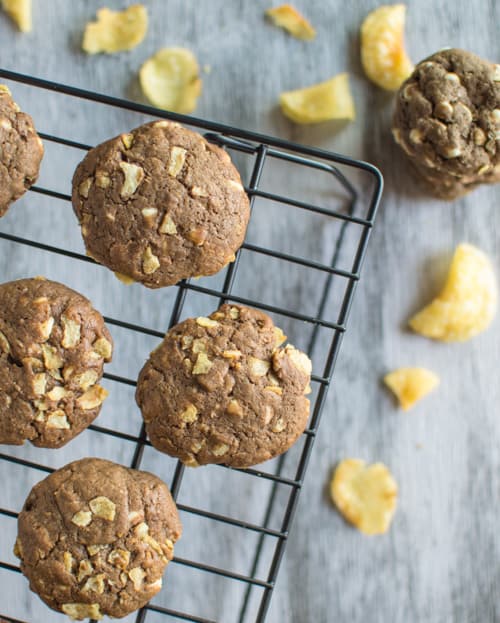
{"type": "Point", "coordinates": [440, 560]}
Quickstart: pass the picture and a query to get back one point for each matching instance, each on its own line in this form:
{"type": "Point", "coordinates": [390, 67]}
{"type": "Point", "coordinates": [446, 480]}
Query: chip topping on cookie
{"type": "Point", "coordinates": [224, 389]}
{"type": "Point", "coordinates": [160, 204]}
{"type": "Point", "coordinates": [53, 346]}
{"type": "Point", "coordinates": [447, 121]}
{"type": "Point", "coordinates": [21, 151]}
{"type": "Point", "coordinates": [94, 538]}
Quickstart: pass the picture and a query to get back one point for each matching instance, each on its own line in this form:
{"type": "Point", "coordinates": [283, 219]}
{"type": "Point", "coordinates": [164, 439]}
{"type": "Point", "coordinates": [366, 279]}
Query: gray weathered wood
{"type": "Point", "coordinates": [440, 561]}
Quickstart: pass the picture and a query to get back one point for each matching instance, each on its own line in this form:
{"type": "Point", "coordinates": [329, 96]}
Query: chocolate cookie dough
{"type": "Point", "coordinates": [53, 345]}
{"type": "Point", "coordinates": [160, 204]}
{"type": "Point", "coordinates": [94, 538]}
{"type": "Point", "coordinates": [447, 120]}
{"type": "Point", "coordinates": [21, 151]}
{"type": "Point", "coordinates": [222, 390]}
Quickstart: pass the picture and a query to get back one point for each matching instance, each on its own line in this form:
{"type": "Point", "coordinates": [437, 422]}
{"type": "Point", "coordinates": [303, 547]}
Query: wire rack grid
{"type": "Point", "coordinates": [359, 213]}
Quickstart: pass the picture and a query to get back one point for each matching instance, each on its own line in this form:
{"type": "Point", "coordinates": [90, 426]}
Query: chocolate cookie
{"type": "Point", "coordinates": [160, 204]}
{"type": "Point", "coordinates": [94, 538]}
{"type": "Point", "coordinates": [221, 390]}
{"type": "Point", "coordinates": [21, 151]}
{"type": "Point", "coordinates": [52, 348]}
{"type": "Point", "coordinates": [447, 120]}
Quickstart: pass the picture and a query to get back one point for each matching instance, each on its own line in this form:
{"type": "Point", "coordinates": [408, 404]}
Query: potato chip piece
{"type": "Point", "coordinates": [383, 54]}
{"type": "Point", "coordinates": [287, 17]}
{"type": "Point", "coordinates": [410, 385]}
{"type": "Point", "coordinates": [365, 496]}
{"type": "Point", "coordinates": [321, 102]}
{"type": "Point", "coordinates": [171, 80]}
{"type": "Point", "coordinates": [467, 304]}
{"type": "Point", "coordinates": [116, 31]}
{"type": "Point", "coordinates": [20, 12]}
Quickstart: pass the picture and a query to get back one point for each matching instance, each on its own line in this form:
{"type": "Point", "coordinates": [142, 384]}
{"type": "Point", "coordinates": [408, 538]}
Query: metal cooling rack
{"type": "Point", "coordinates": [359, 214]}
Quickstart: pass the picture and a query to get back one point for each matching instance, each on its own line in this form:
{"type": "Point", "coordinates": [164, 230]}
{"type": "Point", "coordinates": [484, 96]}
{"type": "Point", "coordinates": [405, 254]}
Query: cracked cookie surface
{"type": "Point", "coordinates": [223, 390]}
{"type": "Point", "coordinates": [94, 538]}
{"type": "Point", "coordinates": [160, 204]}
{"type": "Point", "coordinates": [21, 151]}
{"type": "Point", "coordinates": [447, 120]}
{"type": "Point", "coordinates": [53, 346]}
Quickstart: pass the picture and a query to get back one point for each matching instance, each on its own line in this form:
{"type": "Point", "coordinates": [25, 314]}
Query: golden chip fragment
{"type": "Point", "coordinates": [18, 548]}
{"type": "Point", "coordinates": [190, 414]}
{"type": "Point", "coordinates": [102, 179]}
{"type": "Point", "coordinates": [280, 336]}
{"type": "Point", "coordinates": [103, 347]}
{"type": "Point", "coordinates": [366, 496]}
{"type": "Point", "coordinates": [258, 367]}
{"type": "Point", "coordinates": [177, 159]}
{"type": "Point", "coordinates": [299, 359]}
{"type": "Point", "coordinates": [85, 568]}
{"type": "Point", "coordinates": [95, 584]}
{"type": "Point", "coordinates": [150, 262]}
{"type": "Point", "coordinates": [321, 102]}
{"type": "Point", "coordinates": [170, 80]}
{"type": "Point", "coordinates": [84, 187]}
{"type": "Point", "coordinates": [79, 611]}
{"type": "Point", "coordinates": [46, 327]}
{"type": "Point", "coordinates": [128, 281]}
{"type": "Point", "coordinates": [119, 558]}
{"type": "Point", "coordinates": [279, 426]}
{"type": "Point", "coordinates": [51, 358]}
{"type": "Point", "coordinates": [116, 31]}
{"type": "Point", "coordinates": [127, 140]}
{"type": "Point", "coordinates": [86, 379]}
{"type": "Point", "coordinates": [199, 345]}
{"type": "Point", "coordinates": [187, 341]}
{"type": "Point", "coordinates": [234, 408]}
{"type": "Point", "coordinates": [202, 364]}
{"type": "Point", "coordinates": [467, 304]}
{"type": "Point", "coordinates": [103, 507]}
{"type": "Point", "coordinates": [68, 561]}
{"type": "Point", "coordinates": [167, 225]}
{"type": "Point", "coordinates": [57, 393]}
{"type": "Point", "coordinates": [39, 383]}
{"type": "Point", "coordinates": [383, 54]}
{"type": "Point", "coordinates": [82, 518]}
{"type": "Point", "coordinates": [220, 449]}
{"type": "Point", "coordinates": [410, 385]}
{"type": "Point", "coordinates": [198, 236]}
{"type": "Point", "coordinates": [141, 530]}
{"type": "Point", "coordinates": [71, 332]}
{"type": "Point", "coordinates": [58, 419]}
{"type": "Point", "coordinates": [94, 549]}
{"type": "Point", "coordinates": [208, 323]}
{"type": "Point", "coordinates": [287, 17]}
{"type": "Point", "coordinates": [20, 12]}
{"type": "Point", "coordinates": [92, 398]}
{"type": "Point", "coordinates": [4, 343]}
{"type": "Point", "coordinates": [137, 575]}
{"type": "Point", "coordinates": [133, 177]}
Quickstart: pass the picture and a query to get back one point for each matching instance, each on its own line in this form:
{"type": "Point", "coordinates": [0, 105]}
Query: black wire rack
{"type": "Point", "coordinates": [358, 213]}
